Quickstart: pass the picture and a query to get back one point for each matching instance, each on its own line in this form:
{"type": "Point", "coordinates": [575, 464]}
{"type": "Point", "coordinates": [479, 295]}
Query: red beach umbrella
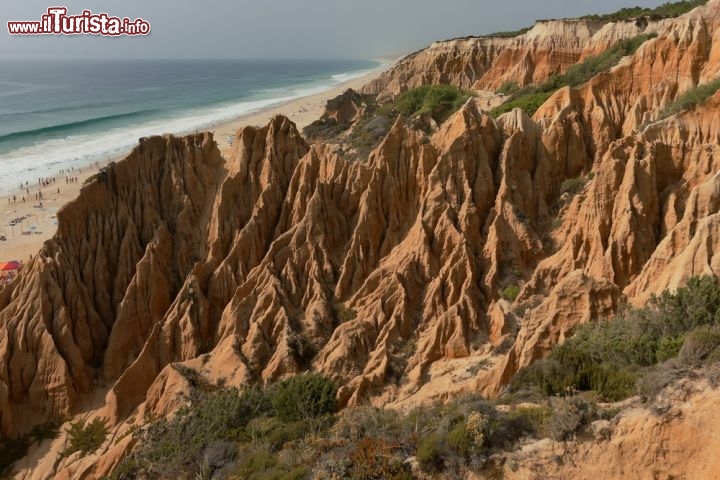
{"type": "Point", "coordinates": [7, 266]}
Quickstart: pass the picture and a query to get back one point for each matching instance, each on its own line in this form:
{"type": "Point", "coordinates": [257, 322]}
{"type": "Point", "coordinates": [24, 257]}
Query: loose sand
{"type": "Point", "coordinates": [41, 223]}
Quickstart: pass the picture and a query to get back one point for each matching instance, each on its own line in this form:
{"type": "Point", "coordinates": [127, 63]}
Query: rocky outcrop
{"type": "Point", "coordinates": [485, 63]}
{"type": "Point", "coordinates": [679, 441]}
{"type": "Point", "coordinates": [84, 306]}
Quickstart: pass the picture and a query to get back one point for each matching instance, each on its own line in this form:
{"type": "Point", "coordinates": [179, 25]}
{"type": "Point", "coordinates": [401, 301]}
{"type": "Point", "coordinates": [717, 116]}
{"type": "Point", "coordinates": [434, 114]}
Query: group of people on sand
{"type": "Point", "coordinates": [44, 182]}
{"type": "Point", "coordinates": [7, 278]}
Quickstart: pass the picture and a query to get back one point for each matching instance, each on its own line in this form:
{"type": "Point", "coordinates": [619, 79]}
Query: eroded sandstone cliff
{"type": "Point", "coordinates": [485, 63]}
{"type": "Point", "coordinates": [245, 268]}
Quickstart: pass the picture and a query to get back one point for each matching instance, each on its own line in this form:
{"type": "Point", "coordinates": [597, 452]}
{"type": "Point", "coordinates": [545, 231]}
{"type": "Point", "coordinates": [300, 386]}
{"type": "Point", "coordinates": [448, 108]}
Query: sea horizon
{"type": "Point", "coordinates": [71, 113]}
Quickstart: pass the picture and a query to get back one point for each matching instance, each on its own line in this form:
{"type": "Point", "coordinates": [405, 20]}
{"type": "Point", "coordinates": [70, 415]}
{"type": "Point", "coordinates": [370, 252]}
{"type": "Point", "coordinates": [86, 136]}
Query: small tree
{"type": "Point", "coordinates": [304, 396]}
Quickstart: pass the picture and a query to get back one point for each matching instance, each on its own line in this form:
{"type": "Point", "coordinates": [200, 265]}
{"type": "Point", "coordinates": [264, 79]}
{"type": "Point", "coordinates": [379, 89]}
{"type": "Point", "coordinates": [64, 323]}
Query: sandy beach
{"type": "Point", "coordinates": [34, 223]}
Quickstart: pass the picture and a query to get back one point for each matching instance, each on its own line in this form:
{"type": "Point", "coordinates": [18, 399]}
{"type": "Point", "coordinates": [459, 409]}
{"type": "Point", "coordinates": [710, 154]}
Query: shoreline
{"type": "Point", "coordinates": [41, 222]}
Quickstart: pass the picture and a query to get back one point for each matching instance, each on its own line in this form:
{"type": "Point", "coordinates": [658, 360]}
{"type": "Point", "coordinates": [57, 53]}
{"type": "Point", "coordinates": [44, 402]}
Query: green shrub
{"type": "Point", "coordinates": [85, 437]}
{"type": "Point", "coordinates": [304, 396]}
{"type": "Point", "coordinates": [531, 98]}
{"type": "Point", "coordinates": [691, 98]}
{"type": "Point", "coordinates": [675, 313]}
{"type": "Point", "coordinates": [666, 10]}
{"type": "Point", "coordinates": [569, 416]}
{"type": "Point", "coordinates": [713, 357]}
{"type": "Point", "coordinates": [582, 72]}
{"type": "Point", "coordinates": [460, 440]}
{"type": "Point", "coordinates": [609, 357]}
{"type": "Point", "coordinates": [572, 185]}
{"type": "Point", "coordinates": [699, 344]}
{"type": "Point", "coordinates": [301, 347]}
{"type": "Point", "coordinates": [531, 418]}
{"type": "Point", "coordinates": [530, 103]}
{"type": "Point", "coordinates": [518, 423]}
{"type": "Point", "coordinates": [439, 101]}
{"type": "Point", "coordinates": [366, 421]}
{"type": "Point", "coordinates": [344, 314]}
{"type": "Point", "coordinates": [652, 382]}
{"type": "Point", "coordinates": [510, 293]}
{"type": "Point", "coordinates": [256, 463]}
{"type": "Point", "coordinates": [297, 473]}
{"type": "Point", "coordinates": [275, 433]}
{"type": "Point", "coordinates": [182, 444]}
{"type": "Point", "coordinates": [327, 127]}
{"type": "Point", "coordinates": [508, 34]}
{"type": "Point", "coordinates": [508, 87]}
{"type": "Point", "coordinates": [377, 458]}
{"type": "Point", "coordinates": [430, 453]}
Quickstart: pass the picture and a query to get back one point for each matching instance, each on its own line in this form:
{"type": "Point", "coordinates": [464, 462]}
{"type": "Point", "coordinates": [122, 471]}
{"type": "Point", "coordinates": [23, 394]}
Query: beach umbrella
{"type": "Point", "coordinates": [7, 266]}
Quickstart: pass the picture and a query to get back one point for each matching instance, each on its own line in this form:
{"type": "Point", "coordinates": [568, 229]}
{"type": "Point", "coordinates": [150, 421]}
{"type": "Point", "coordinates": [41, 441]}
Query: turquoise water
{"type": "Point", "coordinates": [57, 114]}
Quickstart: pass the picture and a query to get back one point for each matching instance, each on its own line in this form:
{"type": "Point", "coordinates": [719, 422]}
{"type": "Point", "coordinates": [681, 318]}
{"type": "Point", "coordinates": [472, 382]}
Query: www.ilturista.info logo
{"type": "Point", "coordinates": [58, 22]}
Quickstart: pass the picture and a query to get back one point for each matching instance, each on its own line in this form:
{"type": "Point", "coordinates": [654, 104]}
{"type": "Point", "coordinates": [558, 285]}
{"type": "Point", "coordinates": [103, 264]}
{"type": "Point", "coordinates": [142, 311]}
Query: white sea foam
{"type": "Point", "coordinates": [46, 158]}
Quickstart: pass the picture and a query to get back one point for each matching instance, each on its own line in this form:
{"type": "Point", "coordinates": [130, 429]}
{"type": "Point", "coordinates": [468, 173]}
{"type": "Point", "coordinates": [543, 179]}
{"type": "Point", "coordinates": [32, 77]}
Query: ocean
{"type": "Point", "coordinates": [58, 114]}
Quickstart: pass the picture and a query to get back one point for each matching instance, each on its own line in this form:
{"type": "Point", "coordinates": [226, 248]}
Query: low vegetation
{"type": "Point", "coordinates": [226, 432]}
{"type": "Point", "coordinates": [85, 437]}
{"type": "Point", "coordinates": [581, 72]}
{"type": "Point", "coordinates": [691, 98]}
{"type": "Point", "coordinates": [303, 397]}
{"type": "Point", "coordinates": [508, 87]}
{"type": "Point", "coordinates": [531, 98]}
{"type": "Point", "coordinates": [510, 293]}
{"type": "Point", "coordinates": [324, 129]}
{"type": "Point", "coordinates": [666, 10]}
{"type": "Point", "coordinates": [528, 102]}
{"type": "Point", "coordinates": [572, 186]}
{"type": "Point", "coordinates": [357, 140]}
{"type": "Point", "coordinates": [509, 34]}
{"type": "Point", "coordinates": [291, 431]}
{"type": "Point", "coordinates": [343, 314]}
{"type": "Point", "coordinates": [438, 101]}
{"type": "Point", "coordinates": [616, 358]}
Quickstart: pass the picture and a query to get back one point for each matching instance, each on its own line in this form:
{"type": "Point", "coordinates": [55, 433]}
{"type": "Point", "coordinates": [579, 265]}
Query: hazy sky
{"type": "Point", "coordinates": [284, 28]}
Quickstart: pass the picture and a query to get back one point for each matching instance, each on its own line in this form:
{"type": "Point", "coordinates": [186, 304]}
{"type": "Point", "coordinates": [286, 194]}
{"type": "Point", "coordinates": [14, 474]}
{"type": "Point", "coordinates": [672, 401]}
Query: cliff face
{"type": "Point", "coordinates": [84, 306]}
{"type": "Point", "coordinates": [250, 268]}
{"type": "Point", "coordinates": [549, 48]}
{"type": "Point", "coordinates": [679, 442]}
